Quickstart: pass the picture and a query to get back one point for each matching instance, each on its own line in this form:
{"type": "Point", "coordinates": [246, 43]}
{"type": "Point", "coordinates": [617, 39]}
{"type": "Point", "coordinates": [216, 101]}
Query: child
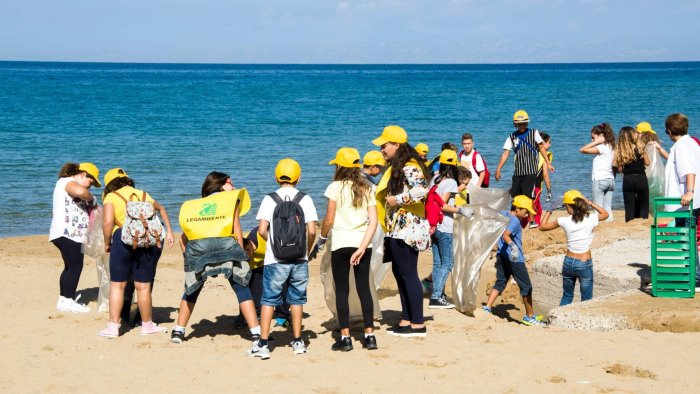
{"type": "Point", "coordinates": [452, 180]}
{"type": "Point", "coordinates": [542, 175]}
{"type": "Point", "coordinates": [434, 165]}
{"type": "Point", "coordinates": [510, 260]}
{"type": "Point", "coordinates": [279, 268]}
{"type": "Point", "coordinates": [602, 146]}
{"type": "Point", "coordinates": [473, 161]}
{"type": "Point", "coordinates": [373, 164]}
{"type": "Point", "coordinates": [352, 215]}
{"type": "Point", "coordinates": [217, 249]}
{"type": "Point", "coordinates": [578, 227]}
{"type": "Point", "coordinates": [422, 150]}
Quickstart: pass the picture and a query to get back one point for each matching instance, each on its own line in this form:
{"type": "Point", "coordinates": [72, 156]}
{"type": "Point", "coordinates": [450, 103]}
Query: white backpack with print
{"type": "Point", "coordinates": [142, 227]}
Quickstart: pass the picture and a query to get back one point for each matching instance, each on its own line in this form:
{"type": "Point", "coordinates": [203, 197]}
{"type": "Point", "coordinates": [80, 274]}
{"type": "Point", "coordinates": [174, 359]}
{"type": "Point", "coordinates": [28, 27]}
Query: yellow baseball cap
{"type": "Point", "coordinates": [374, 158]}
{"type": "Point", "coordinates": [524, 202]}
{"type": "Point", "coordinates": [288, 168]}
{"type": "Point", "coordinates": [113, 174]}
{"type": "Point", "coordinates": [449, 157]}
{"type": "Point", "coordinates": [422, 148]}
{"type": "Point", "coordinates": [520, 117]}
{"type": "Point", "coordinates": [572, 195]}
{"type": "Point", "coordinates": [394, 134]}
{"type": "Point", "coordinates": [92, 171]}
{"type": "Point", "coordinates": [645, 127]}
{"type": "Point", "coordinates": [347, 157]}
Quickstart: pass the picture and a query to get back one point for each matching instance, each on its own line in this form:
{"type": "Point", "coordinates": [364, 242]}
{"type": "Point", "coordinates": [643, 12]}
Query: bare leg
{"type": "Point", "coordinates": [527, 300]}
{"type": "Point", "coordinates": [492, 297]}
{"type": "Point", "coordinates": [116, 300]}
{"type": "Point", "coordinates": [297, 311]}
{"type": "Point", "coordinates": [248, 311]}
{"type": "Point", "coordinates": [185, 313]}
{"type": "Point", "coordinates": [143, 299]}
{"type": "Point", "coordinates": [266, 312]}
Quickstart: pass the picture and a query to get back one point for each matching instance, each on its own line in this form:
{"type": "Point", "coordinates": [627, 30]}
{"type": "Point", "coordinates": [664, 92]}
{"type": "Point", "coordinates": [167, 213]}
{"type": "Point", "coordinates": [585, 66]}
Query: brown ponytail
{"type": "Point", "coordinates": [580, 210]}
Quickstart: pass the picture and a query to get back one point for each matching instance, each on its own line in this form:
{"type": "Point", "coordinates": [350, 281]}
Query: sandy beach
{"type": "Point", "coordinates": [49, 351]}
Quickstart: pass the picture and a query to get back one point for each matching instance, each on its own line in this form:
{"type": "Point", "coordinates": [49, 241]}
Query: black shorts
{"type": "Point", "coordinates": [523, 185]}
{"type": "Point", "coordinates": [125, 261]}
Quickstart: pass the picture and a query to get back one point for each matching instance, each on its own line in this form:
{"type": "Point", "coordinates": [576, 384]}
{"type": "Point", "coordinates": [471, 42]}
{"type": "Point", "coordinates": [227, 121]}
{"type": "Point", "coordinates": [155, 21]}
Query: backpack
{"type": "Point", "coordinates": [142, 227]}
{"type": "Point", "coordinates": [487, 174]}
{"type": "Point", "coordinates": [289, 228]}
{"type": "Point", "coordinates": [433, 208]}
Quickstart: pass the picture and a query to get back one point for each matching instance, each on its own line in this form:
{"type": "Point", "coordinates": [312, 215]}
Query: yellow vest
{"type": "Point", "coordinates": [212, 216]}
{"type": "Point", "coordinates": [416, 208]}
{"type": "Point", "coordinates": [259, 253]}
{"type": "Point", "coordinates": [540, 163]}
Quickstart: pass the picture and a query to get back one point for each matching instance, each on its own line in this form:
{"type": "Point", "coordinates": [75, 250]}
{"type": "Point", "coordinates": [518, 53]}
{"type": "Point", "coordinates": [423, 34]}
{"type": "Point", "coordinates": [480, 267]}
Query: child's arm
{"type": "Point", "coordinates": [591, 148]}
{"type": "Point", "coordinates": [547, 182]}
{"type": "Point", "coordinates": [447, 208]}
{"type": "Point", "coordinates": [263, 226]}
{"type": "Point", "coordinates": [504, 157]}
{"type": "Point", "coordinates": [329, 219]}
{"type": "Point", "coordinates": [602, 213]}
{"type": "Point", "coordinates": [183, 242]}
{"type": "Point", "coordinates": [544, 226]}
{"type": "Point", "coordinates": [310, 236]}
{"type": "Point", "coordinates": [545, 156]}
{"type": "Point", "coordinates": [108, 225]}
{"type": "Point", "coordinates": [506, 237]}
{"type": "Point", "coordinates": [371, 228]}
{"type": "Point", "coordinates": [164, 216]}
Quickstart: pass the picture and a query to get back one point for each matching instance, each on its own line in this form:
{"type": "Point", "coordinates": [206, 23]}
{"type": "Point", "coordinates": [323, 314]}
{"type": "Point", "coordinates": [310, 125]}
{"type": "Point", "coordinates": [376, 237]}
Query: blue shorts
{"type": "Point", "coordinates": [274, 278]}
{"type": "Point", "coordinates": [127, 263]}
{"type": "Point", "coordinates": [505, 269]}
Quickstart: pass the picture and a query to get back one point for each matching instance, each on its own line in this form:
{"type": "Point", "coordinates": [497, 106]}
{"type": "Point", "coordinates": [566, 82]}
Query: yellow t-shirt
{"type": "Point", "coordinates": [350, 223]}
{"type": "Point", "coordinates": [120, 205]}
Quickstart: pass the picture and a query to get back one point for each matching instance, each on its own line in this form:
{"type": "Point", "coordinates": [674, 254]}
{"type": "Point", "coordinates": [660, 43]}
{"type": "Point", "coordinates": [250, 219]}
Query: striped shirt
{"type": "Point", "coordinates": [526, 153]}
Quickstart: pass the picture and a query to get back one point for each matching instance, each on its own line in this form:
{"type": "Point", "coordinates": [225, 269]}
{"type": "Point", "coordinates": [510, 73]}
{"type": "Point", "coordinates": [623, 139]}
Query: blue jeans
{"type": "Point", "coordinates": [602, 195]}
{"type": "Point", "coordinates": [577, 269]}
{"type": "Point", "coordinates": [296, 273]}
{"type": "Point", "coordinates": [443, 260]}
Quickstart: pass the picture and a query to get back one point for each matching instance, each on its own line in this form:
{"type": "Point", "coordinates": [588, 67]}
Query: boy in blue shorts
{"type": "Point", "coordinates": [284, 215]}
{"type": "Point", "coordinates": [510, 259]}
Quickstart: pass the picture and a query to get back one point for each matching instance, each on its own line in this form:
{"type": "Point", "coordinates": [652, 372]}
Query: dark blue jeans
{"type": "Point", "coordinates": [577, 269]}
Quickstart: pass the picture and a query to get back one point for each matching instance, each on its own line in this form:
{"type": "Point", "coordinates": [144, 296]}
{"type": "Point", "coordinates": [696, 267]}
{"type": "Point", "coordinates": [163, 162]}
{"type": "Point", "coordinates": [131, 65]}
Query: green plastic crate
{"type": "Point", "coordinates": [674, 253]}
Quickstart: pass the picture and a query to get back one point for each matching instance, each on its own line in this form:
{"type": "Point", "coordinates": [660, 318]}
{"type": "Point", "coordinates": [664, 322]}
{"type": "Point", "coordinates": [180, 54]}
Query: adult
{"type": "Point", "coordinates": [72, 203]}
{"type": "Point", "coordinates": [527, 145]}
{"type": "Point", "coordinates": [602, 145]}
{"type": "Point", "coordinates": [125, 260]}
{"type": "Point", "coordinates": [401, 213]}
{"type": "Point", "coordinates": [683, 164]}
{"type": "Point", "coordinates": [631, 160]}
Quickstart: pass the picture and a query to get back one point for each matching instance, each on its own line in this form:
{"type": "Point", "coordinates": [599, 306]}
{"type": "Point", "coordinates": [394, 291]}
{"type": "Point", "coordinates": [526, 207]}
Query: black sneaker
{"type": "Point", "coordinates": [400, 330]}
{"type": "Point", "coordinates": [177, 336]}
{"type": "Point", "coordinates": [439, 303]}
{"type": "Point", "coordinates": [343, 345]}
{"type": "Point", "coordinates": [411, 332]}
{"type": "Point", "coordinates": [370, 342]}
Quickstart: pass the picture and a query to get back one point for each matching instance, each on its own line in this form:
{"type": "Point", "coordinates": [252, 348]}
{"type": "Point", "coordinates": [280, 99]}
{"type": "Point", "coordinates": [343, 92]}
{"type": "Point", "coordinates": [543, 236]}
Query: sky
{"type": "Point", "coordinates": [352, 32]}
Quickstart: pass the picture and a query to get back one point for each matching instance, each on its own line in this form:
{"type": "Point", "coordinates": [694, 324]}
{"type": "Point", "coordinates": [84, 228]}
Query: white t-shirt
{"type": "Point", "coordinates": [579, 235]}
{"type": "Point", "coordinates": [446, 185]}
{"type": "Point", "coordinates": [466, 161]}
{"type": "Point", "coordinates": [602, 163]}
{"type": "Point", "coordinates": [267, 208]}
{"type": "Point", "coordinates": [509, 142]}
{"type": "Point", "coordinates": [70, 217]}
{"type": "Point", "coordinates": [683, 159]}
{"type": "Point", "coordinates": [350, 223]}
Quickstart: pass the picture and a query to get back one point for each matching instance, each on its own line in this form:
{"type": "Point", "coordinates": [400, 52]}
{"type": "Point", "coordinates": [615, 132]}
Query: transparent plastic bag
{"type": "Point", "coordinates": [497, 199]}
{"type": "Point", "coordinates": [94, 246]}
{"type": "Point", "coordinates": [655, 174]}
{"type": "Point", "coordinates": [353, 299]}
{"type": "Point", "coordinates": [474, 238]}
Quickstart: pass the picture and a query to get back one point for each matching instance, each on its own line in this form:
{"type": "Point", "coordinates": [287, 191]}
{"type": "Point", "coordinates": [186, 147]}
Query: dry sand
{"type": "Point", "coordinates": [45, 350]}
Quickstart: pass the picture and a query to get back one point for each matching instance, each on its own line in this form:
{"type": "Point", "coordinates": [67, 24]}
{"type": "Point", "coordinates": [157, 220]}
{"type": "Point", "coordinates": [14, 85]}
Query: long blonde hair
{"type": "Point", "coordinates": [359, 186]}
{"type": "Point", "coordinates": [626, 150]}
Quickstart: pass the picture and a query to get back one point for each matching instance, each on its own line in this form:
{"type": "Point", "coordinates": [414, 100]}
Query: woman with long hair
{"type": "Point", "coordinates": [126, 261]}
{"type": "Point", "coordinates": [216, 182]}
{"type": "Point", "coordinates": [72, 203]}
{"type": "Point", "coordinates": [631, 159]}
{"type": "Point", "coordinates": [451, 180]}
{"type": "Point", "coordinates": [602, 145]}
{"type": "Point", "coordinates": [401, 212]}
{"type": "Point", "coordinates": [578, 226]}
{"type": "Point", "coordinates": [352, 216]}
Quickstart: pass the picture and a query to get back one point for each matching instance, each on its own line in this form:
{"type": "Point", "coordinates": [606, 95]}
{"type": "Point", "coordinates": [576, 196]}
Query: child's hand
{"type": "Point", "coordinates": [357, 256]}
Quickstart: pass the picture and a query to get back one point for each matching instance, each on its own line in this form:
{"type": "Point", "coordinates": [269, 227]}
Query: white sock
{"type": "Point", "coordinates": [179, 328]}
{"type": "Point", "coordinates": [344, 336]}
{"type": "Point", "coordinates": [255, 330]}
{"type": "Point", "coordinates": [369, 334]}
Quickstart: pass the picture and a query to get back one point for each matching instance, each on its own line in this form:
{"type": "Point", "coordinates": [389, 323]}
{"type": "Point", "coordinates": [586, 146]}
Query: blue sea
{"type": "Point", "coordinates": [168, 125]}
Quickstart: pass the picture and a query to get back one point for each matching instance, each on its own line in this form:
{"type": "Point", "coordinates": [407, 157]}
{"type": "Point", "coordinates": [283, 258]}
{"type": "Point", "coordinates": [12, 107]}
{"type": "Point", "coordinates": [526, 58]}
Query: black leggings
{"type": "Point", "coordinates": [72, 265]}
{"type": "Point", "coordinates": [635, 192]}
{"type": "Point", "coordinates": [404, 265]}
{"type": "Point", "coordinates": [340, 264]}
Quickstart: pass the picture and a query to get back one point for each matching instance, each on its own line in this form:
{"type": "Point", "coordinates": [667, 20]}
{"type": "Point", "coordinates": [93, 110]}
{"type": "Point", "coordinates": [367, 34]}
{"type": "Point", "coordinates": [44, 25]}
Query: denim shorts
{"type": "Point", "coordinates": [274, 277]}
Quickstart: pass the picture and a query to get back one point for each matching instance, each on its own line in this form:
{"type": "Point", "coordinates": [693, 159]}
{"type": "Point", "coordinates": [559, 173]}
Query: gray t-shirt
{"type": "Point", "coordinates": [445, 186]}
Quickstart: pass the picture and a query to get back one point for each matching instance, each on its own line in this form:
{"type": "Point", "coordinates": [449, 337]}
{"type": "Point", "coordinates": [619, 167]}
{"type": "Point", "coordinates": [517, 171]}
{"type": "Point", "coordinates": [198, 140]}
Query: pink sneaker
{"type": "Point", "coordinates": [112, 331]}
{"type": "Point", "coordinates": [151, 328]}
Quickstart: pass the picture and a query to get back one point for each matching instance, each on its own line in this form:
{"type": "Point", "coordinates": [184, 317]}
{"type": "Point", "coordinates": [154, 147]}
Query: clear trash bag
{"type": "Point", "coordinates": [94, 246]}
{"type": "Point", "coordinates": [655, 174]}
{"type": "Point", "coordinates": [474, 238]}
{"type": "Point", "coordinates": [497, 199]}
{"type": "Point", "coordinates": [378, 271]}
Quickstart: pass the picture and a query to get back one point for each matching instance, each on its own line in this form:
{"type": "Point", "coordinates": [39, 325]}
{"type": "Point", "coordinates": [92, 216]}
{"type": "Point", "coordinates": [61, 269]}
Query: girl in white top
{"type": "Point", "coordinates": [72, 204]}
{"type": "Point", "coordinates": [602, 145]}
{"type": "Point", "coordinates": [352, 215]}
{"type": "Point", "coordinates": [578, 227]}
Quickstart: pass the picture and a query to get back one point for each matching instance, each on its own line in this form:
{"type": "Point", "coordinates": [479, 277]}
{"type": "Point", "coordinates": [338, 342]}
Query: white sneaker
{"type": "Point", "coordinates": [65, 304]}
{"type": "Point", "coordinates": [299, 347]}
{"type": "Point", "coordinates": [262, 352]}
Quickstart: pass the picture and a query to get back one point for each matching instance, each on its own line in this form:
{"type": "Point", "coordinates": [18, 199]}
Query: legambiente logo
{"type": "Point", "coordinates": [208, 212]}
